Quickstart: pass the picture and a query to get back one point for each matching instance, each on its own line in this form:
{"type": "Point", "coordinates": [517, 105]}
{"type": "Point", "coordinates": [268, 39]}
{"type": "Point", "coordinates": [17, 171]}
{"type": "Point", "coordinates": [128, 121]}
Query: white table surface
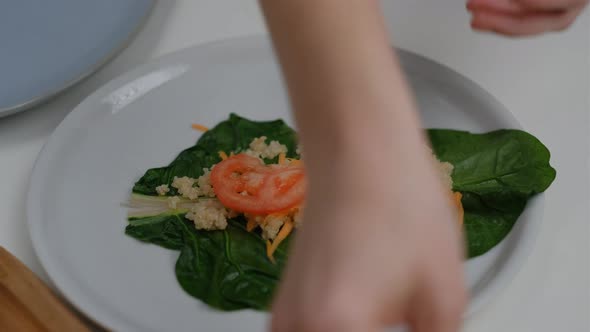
{"type": "Point", "coordinates": [543, 81]}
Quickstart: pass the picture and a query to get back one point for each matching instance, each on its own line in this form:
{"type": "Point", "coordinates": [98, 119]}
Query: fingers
{"type": "Point", "coordinates": [530, 5]}
{"type": "Point", "coordinates": [524, 17]}
{"type": "Point", "coordinates": [500, 6]}
{"type": "Point", "coordinates": [316, 305]}
{"type": "Point", "coordinates": [551, 4]}
{"type": "Point", "coordinates": [522, 24]}
{"type": "Point", "coordinates": [341, 317]}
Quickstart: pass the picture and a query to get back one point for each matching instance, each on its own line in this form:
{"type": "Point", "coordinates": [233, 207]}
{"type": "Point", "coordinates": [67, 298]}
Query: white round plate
{"type": "Point", "coordinates": [142, 120]}
{"type": "Point", "coordinates": [47, 46]}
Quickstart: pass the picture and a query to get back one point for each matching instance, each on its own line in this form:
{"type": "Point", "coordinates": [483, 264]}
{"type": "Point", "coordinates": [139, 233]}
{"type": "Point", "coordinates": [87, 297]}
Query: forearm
{"type": "Point", "coordinates": [344, 81]}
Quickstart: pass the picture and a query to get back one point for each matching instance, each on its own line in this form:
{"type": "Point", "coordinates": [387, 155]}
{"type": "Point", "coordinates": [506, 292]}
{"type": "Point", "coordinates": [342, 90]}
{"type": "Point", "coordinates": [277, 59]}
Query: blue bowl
{"type": "Point", "coordinates": [47, 46]}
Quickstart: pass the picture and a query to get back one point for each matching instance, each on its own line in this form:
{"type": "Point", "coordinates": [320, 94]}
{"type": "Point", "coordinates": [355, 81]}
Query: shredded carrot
{"type": "Point", "coordinates": [283, 233]}
{"type": "Point", "coordinates": [222, 155]}
{"type": "Point", "coordinates": [282, 158]}
{"type": "Point", "coordinates": [199, 127]}
{"type": "Point", "coordinates": [269, 252]}
{"type": "Point", "coordinates": [251, 224]}
{"type": "Point", "coordinates": [296, 162]}
{"type": "Point", "coordinates": [457, 201]}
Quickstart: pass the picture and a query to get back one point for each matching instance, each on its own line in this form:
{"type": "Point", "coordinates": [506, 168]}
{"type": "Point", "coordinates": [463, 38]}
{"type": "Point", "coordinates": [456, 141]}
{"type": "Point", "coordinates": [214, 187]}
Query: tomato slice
{"type": "Point", "coordinates": [245, 184]}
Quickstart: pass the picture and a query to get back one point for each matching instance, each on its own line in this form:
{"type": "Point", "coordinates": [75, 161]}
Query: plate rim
{"type": "Point", "coordinates": [502, 278]}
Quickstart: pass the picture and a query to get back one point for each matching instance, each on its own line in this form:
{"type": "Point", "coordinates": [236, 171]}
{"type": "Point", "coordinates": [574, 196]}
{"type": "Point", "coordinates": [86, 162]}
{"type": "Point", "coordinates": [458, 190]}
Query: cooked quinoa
{"type": "Point", "coordinates": [204, 183]}
{"type": "Point", "coordinates": [162, 190]}
{"type": "Point", "coordinates": [259, 148]}
{"type": "Point", "coordinates": [193, 188]}
{"type": "Point", "coordinates": [185, 187]}
{"type": "Point", "coordinates": [446, 169]}
{"type": "Point", "coordinates": [208, 215]}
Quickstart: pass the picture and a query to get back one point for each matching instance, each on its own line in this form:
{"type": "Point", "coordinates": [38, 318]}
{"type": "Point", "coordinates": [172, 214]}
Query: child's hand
{"type": "Point", "coordinates": [524, 17]}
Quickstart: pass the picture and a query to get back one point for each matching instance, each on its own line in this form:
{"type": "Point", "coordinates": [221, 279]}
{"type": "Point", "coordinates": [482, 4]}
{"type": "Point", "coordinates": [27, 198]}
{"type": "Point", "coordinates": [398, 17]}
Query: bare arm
{"type": "Point", "coordinates": [342, 75]}
{"type": "Point", "coordinates": [373, 190]}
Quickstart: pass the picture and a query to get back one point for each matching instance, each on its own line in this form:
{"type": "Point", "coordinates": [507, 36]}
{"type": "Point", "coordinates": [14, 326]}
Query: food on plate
{"type": "Point", "coordinates": [232, 202]}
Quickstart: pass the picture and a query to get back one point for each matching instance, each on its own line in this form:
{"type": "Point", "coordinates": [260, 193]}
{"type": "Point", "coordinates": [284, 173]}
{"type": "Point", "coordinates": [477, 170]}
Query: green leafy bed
{"type": "Point", "coordinates": [497, 172]}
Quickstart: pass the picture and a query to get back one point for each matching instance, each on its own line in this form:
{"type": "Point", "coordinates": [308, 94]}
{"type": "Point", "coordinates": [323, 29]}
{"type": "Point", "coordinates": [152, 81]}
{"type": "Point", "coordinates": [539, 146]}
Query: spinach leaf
{"type": "Point", "coordinates": [497, 172]}
{"type": "Point", "coordinates": [498, 161]}
{"type": "Point", "coordinates": [485, 224]}
{"type": "Point", "coordinates": [229, 269]}
{"type": "Point", "coordinates": [164, 230]}
{"type": "Point", "coordinates": [226, 269]}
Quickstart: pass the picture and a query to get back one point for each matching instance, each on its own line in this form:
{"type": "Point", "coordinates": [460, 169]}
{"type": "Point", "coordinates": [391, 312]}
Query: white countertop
{"type": "Point", "coordinates": [544, 81]}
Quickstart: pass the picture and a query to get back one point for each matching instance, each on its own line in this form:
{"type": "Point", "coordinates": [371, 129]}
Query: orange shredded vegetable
{"type": "Point", "coordinates": [251, 224]}
{"type": "Point", "coordinates": [222, 155]}
{"type": "Point", "coordinates": [199, 127]}
{"type": "Point", "coordinates": [283, 233]}
{"type": "Point", "coordinates": [282, 158]}
{"type": "Point", "coordinates": [457, 201]}
{"type": "Point", "coordinates": [269, 252]}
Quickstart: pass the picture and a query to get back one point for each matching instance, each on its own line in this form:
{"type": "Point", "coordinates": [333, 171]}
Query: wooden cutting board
{"type": "Point", "coordinates": [27, 304]}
